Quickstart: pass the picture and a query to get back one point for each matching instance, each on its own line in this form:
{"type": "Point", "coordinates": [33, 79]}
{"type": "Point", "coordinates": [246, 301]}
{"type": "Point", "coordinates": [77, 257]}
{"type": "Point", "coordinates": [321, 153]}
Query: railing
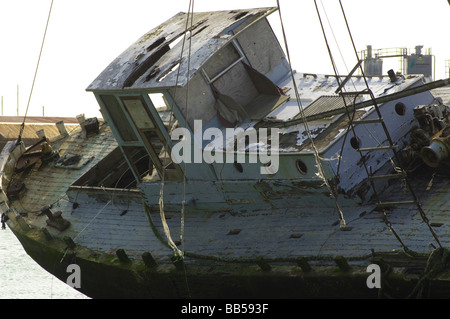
{"type": "Point", "coordinates": [399, 53]}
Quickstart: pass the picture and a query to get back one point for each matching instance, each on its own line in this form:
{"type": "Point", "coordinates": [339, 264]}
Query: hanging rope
{"type": "Point", "coordinates": [179, 253]}
{"type": "Point", "coordinates": [436, 264]}
{"type": "Point", "coordinates": [183, 200]}
{"type": "Point", "coordinates": [409, 186]}
{"type": "Point", "coordinates": [385, 217]}
{"type": "Point", "coordinates": [321, 173]}
{"type": "Point", "coordinates": [337, 44]}
{"type": "Point", "coordinates": [35, 73]}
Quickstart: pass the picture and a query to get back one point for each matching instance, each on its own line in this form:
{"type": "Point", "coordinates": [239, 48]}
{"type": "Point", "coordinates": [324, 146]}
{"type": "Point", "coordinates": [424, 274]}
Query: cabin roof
{"type": "Point", "coordinates": [152, 62]}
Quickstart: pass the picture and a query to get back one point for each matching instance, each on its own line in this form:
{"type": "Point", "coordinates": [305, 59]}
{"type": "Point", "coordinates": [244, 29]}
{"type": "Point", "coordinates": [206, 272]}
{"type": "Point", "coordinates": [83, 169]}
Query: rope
{"type": "Point", "coordinates": [436, 263]}
{"type": "Point", "coordinates": [320, 174]}
{"type": "Point", "coordinates": [419, 206]}
{"type": "Point", "coordinates": [92, 219]}
{"type": "Point", "coordinates": [385, 217]}
{"type": "Point", "coordinates": [328, 47]}
{"type": "Point", "coordinates": [22, 127]}
{"type": "Point", "coordinates": [183, 201]}
{"type": "Point", "coordinates": [247, 260]}
{"type": "Point", "coordinates": [178, 254]}
{"type": "Point", "coordinates": [337, 44]}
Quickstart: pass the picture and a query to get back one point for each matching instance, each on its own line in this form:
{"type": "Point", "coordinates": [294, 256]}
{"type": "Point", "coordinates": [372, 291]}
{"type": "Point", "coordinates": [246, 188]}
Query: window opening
{"type": "Point", "coordinates": [167, 117]}
{"type": "Point", "coordinates": [225, 60]}
{"type": "Point", "coordinates": [146, 127]}
{"type": "Point", "coordinates": [151, 134]}
{"type": "Point", "coordinates": [117, 116]}
{"type": "Point", "coordinates": [113, 171]}
{"type": "Point", "coordinates": [241, 92]}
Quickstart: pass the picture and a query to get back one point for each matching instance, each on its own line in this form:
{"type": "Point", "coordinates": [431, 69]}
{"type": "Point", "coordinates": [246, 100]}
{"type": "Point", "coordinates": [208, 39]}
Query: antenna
{"type": "Point", "coordinates": [17, 99]}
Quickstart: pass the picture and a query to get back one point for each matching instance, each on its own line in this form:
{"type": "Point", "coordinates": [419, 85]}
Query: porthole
{"type": "Point", "coordinates": [355, 142]}
{"type": "Point", "coordinates": [301, 167]}
{"type": "Point", "coordinates": [400, 108]}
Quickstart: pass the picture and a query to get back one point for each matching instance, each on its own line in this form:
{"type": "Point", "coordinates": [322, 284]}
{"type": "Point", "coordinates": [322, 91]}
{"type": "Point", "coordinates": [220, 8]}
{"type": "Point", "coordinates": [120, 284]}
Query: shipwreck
{"type": "Point", "coordinates": [219, 172]}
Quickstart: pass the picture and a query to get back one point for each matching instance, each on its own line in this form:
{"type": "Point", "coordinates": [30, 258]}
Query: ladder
{"type": "Point", "coordinates": [400, 173]}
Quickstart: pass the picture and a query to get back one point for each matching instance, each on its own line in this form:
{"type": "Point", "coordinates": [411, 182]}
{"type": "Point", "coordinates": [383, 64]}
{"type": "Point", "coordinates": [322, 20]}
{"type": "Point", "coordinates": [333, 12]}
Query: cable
{"type": "Point", "coordinates": [163, 175]}
{"type": "Point", "coordinates": [35, 73]}
{"type": "Point", "coordinates": [337, 44]}
{"type": "Point", "coordinates": [179, 253]}
{"type": "Point", "coordinates": [183, 201]}
{"type": "Point", "coordinates": [419, 206]}
{"type": "Point", "coordinates": [385, 217]}
{"type": "Point", "coordinates": [321, 174]}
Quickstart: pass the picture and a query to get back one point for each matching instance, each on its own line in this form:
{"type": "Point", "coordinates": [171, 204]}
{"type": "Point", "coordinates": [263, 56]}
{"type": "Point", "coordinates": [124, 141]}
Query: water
{"type": "Point", "coordinates": [22, 278]}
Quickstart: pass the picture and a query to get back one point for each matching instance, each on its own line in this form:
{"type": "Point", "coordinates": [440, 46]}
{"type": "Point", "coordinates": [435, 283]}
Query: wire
{"type": "Point", "coordinates": [321, 174]}
{"type": "Point", "coordinates": [163, 173]}
{"type": "Point", "coordinates": [35, 72]}
{"type": "Point", "coordinates": [179, 253]}
{"type": "Point", "coordinates": [186, 124]}
{"type": "Point", "coordinates": [335, 40]}
{"type": "Point", "coordinates": [92, 219]}
{"type": "Point", "coordinates": [419, 206]}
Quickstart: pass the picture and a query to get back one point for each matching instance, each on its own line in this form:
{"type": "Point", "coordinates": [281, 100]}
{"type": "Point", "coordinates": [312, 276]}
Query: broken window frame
{"type": "Point", "coordinates": [159, 128]}
{"type": "Point", "coordinates": [124, 144]}
{"type": "Point", "coordinates": [230, 118]}
{"type": "Point", "coordinates": [141, 131]}
{"type": "Point", "coordinates": [115, 115]}
{"type": "Point", "coordinates": [127, 144]}
{"type": "Point", "coordinates": [241, 58]}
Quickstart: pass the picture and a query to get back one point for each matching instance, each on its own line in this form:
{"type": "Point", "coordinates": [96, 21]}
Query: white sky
{"type": "Point", "coordinates": [84, 36]}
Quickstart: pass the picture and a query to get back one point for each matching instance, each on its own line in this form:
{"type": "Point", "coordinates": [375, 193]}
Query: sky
{"type": "Point", "coordinates": [84, 36]}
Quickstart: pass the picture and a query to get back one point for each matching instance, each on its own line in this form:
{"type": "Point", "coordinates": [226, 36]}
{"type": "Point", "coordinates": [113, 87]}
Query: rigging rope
{"type": "Point", "coordinates": [385, 217]}
{"type": "Point", "coordinates": [179, 253]}
{"type": "Point", "coordinates": [337, 44]}
{"type": "Point", "coordinates": [183, 200]}
{"type": "Point", "coordinates": [419, 206]}
{"type": "Point", "coordinates": [35, 73]}
{"type": "Point", "coordinates": [321, 173]}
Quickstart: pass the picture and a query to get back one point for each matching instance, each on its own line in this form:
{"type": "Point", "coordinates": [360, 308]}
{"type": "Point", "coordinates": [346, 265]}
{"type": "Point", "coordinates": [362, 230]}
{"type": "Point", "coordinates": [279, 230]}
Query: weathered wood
{"type": "Point", "coordinates": [342, 263]}
{"type": "Point", "coordinates": [122, 255]}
